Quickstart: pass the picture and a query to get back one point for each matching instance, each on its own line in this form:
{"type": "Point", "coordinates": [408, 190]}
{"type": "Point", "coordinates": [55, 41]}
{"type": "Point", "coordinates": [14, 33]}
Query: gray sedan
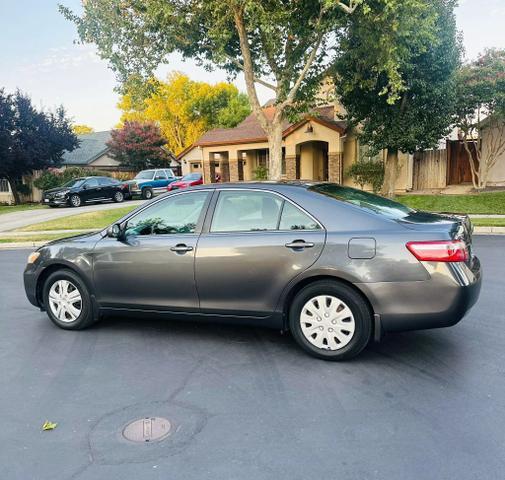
{"type": "Point", "coordinates": [335, 266]}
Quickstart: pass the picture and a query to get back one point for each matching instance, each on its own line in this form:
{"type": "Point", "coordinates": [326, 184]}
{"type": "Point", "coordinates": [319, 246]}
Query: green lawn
{"type": "Point", "coordinates": [484, 203]}
{"type": "Point", "coordinates": [489, 222]}
{"type": "Point", "coordinates": [18, 208]}
{"type": "Point", "coordinates": [36, 238]}
{"type": "Point", "coordinates": [82, 221]}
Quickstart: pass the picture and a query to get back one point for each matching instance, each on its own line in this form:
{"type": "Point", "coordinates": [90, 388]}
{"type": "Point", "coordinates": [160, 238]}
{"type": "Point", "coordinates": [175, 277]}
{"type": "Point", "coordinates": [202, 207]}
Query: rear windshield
{"type": "Point", "coordinates": [375, 203]}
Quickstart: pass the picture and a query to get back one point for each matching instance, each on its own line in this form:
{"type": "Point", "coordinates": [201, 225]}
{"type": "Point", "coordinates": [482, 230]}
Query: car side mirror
{"type": "Point", "coordinates": [84, 187]}
{"type": "Point", "coordinates": [115, 231]}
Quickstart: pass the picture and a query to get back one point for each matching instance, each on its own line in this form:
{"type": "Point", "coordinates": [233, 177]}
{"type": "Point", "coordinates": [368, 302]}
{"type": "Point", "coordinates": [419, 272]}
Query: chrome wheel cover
{"type": "Point", "coordinates": [327, 322]}
{"type": "Point", "coordinates": [65, 301]}
{"type": "Point", "coordinates": [118, 196]}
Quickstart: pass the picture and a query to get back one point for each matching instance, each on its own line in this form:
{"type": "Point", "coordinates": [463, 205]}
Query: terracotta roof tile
{"type": "Point", "coordinates": [249, 130]}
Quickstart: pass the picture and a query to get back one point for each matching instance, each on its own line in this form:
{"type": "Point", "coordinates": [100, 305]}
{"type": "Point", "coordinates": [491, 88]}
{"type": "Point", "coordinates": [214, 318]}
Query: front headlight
{"type": "Point", "coordinates": [63, 193]}
{"type": "Point", "coordinates": [32, 258]}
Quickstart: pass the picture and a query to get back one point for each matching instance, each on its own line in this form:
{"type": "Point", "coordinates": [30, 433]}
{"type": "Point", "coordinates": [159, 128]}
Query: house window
{"type": "Point", "coordinates": [196, 166]}
{"type": "Point", "coordinates": [4, 185]}
{"type": "Point", "coordinates": [366, 153]}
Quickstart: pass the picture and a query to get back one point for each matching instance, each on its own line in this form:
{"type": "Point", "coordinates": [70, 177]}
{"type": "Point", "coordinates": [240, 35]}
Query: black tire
{"type": "Point", "coordinates": [86, 317]}
{"type": "Point", "coordinates": [74, 200]}
{"type": "Point", "coordinates": [147, 193]}
{"type": "Point", "coordinates": [360, 311]}
{"type": "Point", "coordinates": [118, 197]}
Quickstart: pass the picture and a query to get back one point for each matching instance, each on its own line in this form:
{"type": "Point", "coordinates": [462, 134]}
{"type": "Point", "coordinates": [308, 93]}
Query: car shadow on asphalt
{"type": "Point", "coordinates": [424, 347]}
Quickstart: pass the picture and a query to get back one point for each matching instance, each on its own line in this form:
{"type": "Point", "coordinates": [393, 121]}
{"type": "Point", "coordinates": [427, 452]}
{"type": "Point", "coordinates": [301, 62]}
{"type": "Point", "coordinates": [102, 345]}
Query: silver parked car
{"type": "Point", "coordinates": [334, 265]}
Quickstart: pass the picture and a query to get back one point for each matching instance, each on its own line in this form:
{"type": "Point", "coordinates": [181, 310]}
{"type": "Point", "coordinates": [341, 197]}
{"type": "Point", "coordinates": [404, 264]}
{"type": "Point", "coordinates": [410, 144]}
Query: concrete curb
{"type": "Point", "coordinates": [489, 231]}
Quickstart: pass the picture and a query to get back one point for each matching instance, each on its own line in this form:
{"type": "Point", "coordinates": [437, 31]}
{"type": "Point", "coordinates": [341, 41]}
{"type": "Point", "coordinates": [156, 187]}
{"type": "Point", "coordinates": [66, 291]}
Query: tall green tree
{"type": "Point", "coordinates": [30, 139]}
{"type": "Point", "coordinates": [183, 108]}
{"type": "Point", "coordinates": [286, 46]}
{"type": "Point", "coordinates": [423, 111]}
{"type": "Point", "coordinates": [480, 112]}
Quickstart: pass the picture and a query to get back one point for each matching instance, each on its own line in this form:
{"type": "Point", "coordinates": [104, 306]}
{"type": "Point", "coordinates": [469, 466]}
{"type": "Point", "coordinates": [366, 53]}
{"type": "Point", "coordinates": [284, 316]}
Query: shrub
{"type": "Point", "coordinates": [52, 178]}
{"type": "Point", "coordinates": [261, 173]}
{"type": "Point", "coordinates": [367, 172]}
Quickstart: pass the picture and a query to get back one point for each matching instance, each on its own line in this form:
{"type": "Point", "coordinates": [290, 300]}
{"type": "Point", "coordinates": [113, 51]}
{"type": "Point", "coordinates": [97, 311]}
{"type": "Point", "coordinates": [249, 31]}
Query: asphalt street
{"type": "Point", "coordinates": [23, 218]}
{"type": "Point", "coordinates": [247, 403]}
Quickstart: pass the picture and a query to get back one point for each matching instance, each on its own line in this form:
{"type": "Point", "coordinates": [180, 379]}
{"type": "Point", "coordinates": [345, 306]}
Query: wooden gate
{"type": "Point", "coordinates": [458, 164]}
{"type": "Point", "coordinates": [429, 170]}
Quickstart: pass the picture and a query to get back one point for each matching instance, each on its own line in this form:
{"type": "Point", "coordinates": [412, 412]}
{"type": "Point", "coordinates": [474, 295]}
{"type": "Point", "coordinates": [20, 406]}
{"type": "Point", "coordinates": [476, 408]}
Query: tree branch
{"type": "Point", "coordinates": [248, 69]}
{"type": "Point", "coordinates": [353, 4]}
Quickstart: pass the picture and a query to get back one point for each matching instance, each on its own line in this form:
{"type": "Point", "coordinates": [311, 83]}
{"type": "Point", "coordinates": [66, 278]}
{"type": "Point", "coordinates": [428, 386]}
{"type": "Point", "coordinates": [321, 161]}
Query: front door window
{"type": "Point", "coordinates": [175, 215]}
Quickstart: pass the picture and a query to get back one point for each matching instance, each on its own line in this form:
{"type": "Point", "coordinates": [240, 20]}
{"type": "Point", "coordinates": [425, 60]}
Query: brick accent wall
{"type": "Point", "coordinates": [335, 167]}
{"type": "Point", "coordinates": [233, 163]}
{"type": "Point", "coordinates": [225, 171]}
{"type": "Point", "coordinates": [290, 167]}
{"type": "Point", "coordinates": [209, 171]}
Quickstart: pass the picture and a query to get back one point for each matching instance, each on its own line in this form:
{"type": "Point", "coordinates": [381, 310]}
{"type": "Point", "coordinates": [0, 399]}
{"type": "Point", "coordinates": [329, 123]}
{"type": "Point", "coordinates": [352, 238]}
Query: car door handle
{"type": "Point", "coordinates": [299, 244]}
{"type": "Point", "coordinates": [181, 248]}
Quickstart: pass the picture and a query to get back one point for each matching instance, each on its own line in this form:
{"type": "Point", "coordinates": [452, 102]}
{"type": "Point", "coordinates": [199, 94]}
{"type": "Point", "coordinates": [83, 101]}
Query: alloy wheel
{"type": "Point", "coordinates": [65, 301]}
{"type": "Point", "coordinates": [75, 200]}
{"type": "Point", "coordinates": [327, 322]}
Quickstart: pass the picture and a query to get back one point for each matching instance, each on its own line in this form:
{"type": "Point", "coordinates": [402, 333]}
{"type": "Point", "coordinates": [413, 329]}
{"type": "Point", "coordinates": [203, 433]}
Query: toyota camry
{"type": "Point", "coordinates": [335, 266]}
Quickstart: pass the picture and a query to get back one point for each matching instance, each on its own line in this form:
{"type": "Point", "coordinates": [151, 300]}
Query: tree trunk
{"type": "Point", "coordinates": [14, 190]}
{"type": "Point", "coordinates": [390, 173]}
{"type": "Point", "coordinates": [275, 151]}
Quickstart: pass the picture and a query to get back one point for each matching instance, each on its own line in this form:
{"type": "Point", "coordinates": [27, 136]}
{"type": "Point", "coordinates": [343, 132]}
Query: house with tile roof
{"type": "Point", "coordinates": [92, 152]}
{"type": "Point", "coordinates": [318, 147]}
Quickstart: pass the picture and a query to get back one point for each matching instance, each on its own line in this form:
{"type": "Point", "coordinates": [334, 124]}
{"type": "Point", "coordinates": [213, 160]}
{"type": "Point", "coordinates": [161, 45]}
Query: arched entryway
{"type": "Point", "coordinates": [312, 160]}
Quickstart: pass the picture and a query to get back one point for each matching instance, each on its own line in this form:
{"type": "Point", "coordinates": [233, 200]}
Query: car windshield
{"type": "Point", "coordinates": [375, 203]}
{"type": "Point", "coordinates": [76, 182]}
{"type": "Point", "coordinates": [145, 175]}
{"type": "Point", "coordinates": [191, 177]}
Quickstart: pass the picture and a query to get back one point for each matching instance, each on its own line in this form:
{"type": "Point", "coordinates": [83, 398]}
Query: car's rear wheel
{"type": "Point", "coordinates": [147, 193]}
{"type": "Point", "coordinates": [67, 300]}
{"type": "Point", "coordinates": [330, 320]}
{"type": "Point", "coordinates": [75, 200]}
{"type": "Point", "coordinates": [118, 197]}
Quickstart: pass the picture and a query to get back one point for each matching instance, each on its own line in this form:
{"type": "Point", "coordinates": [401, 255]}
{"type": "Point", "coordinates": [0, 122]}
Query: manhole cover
{"type": "Point", "coordinates": [148, 429]}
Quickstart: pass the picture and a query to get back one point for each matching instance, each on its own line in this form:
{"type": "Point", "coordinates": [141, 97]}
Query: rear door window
{"type": "Point", "coordinates": [246, 211]}
{"type": "Point", "coordinates": [293, 218]}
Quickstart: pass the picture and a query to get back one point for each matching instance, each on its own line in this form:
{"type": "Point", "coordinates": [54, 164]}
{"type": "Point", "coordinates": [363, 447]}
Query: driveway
{"type": "Point", "coordinates": [246, 403]}
{"type": "Point", "coordinates": [11, 221]}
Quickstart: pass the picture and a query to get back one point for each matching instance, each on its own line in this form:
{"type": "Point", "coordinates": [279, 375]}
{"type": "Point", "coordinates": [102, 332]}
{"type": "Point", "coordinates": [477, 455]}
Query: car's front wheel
{"type": "Point", "coordinates": [147, 193]}
{"type": "Point", "coordinates": [330, 320]}
{"type": "Point", "coordinates": [75, 200]}
{"type": "Point", "coordinates": [118, 197]}
{"type": "Point", "coordinates": [67, 300]}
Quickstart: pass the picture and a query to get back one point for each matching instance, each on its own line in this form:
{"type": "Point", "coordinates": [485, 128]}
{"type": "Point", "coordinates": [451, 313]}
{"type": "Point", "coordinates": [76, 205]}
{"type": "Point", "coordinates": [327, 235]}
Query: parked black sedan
{"type": "Point", "coordinates": [82, 190]}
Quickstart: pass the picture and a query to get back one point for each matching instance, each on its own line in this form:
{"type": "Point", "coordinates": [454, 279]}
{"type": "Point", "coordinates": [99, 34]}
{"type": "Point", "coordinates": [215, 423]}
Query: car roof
{"type": "Point", "coordinates": [268, 185]}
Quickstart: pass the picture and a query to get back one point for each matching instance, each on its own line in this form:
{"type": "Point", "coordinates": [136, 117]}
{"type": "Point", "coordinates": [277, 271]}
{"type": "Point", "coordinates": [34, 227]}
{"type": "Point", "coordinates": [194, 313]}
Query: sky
{"type": "Point", "coordinates": [39, 56]}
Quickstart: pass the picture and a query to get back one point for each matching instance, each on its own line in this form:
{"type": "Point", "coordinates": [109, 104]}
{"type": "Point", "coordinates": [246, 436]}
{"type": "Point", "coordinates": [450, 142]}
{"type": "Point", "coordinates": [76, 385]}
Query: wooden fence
{"type": "Point", "coordinates": [430, 170]}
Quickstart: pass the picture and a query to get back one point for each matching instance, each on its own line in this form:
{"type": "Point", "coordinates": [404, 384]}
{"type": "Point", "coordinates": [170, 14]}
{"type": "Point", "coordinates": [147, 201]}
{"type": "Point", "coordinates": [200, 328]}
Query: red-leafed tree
{"type": "Point", "coordinates": [138, 145]}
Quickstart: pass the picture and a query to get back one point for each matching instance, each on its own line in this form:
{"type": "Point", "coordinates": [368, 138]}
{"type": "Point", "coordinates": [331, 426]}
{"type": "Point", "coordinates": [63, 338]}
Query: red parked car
{"type": "Point", "coordinates": [186, 181]}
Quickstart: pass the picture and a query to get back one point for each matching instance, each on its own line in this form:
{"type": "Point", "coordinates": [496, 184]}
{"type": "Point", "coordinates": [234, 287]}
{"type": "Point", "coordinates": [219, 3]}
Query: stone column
{"type": "Point", "coordinates": [335, 167]}
{"type": "Point", "coordinates": [209, 169]}
{"type": "Point", "coordinates": [225, 170]}
{"type": "Point", "coordinates": [290, 167]}
{"type": "Point", "coordinates": [233, 164]}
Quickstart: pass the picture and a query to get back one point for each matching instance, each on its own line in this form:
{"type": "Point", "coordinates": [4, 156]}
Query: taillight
{"type": "Point", "coordinates": [439, 251]}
